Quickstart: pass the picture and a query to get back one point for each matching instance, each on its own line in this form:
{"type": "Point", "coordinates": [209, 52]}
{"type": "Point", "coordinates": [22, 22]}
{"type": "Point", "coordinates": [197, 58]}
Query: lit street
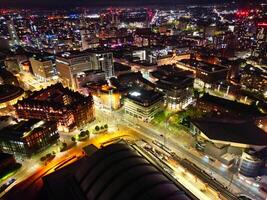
{"type": "Point", "coordinates": [133, 100]}
{"type": "Point", "coordinates": [178, 146]}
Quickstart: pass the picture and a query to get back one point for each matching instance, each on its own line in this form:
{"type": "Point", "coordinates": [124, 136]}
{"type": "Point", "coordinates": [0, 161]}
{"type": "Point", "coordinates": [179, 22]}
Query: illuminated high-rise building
{"type": "Point", "coordinates": [70, 64]}
{"type": "Point", "coordinates": [88, 39]}
{"type": "Point", "coordinates": [104, 60]}
{"type": "Point", "coordinates": [42, 67]}
{"type": "Point", "coordinates": [261, 45]}
{"type": "Point", "coordinates": [143, 104]}
{"type": "Point", "coordinates": [85, 39]}
{"type": "Point", "coordinates": [14, 39]}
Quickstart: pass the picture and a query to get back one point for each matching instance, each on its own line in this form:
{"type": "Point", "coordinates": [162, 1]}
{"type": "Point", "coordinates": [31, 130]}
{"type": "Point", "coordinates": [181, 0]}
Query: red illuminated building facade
{"type": "Point", "coordinates": [56, 103]}
{"type": "Point", "coordinates": [242, 13]}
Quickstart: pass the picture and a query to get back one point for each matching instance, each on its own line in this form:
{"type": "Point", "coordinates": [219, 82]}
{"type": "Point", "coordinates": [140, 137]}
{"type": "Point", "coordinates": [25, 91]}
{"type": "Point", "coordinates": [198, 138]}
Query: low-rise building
{"type": "Point", "coordinates": [253, 78]}
{"type": "Point", "coordinates": [177, 86]}
{"type": "Point", "coordinates": [228, 159]}
{"type": "Point", "coordinates": [233, 132]}
{"type": "Point", "coordinates": [250, 163]}
{"type": "Point", "coordinates": [83, 78]}
{"type": "Point", "coordinates": [205, 73]}
{"type": "Point", "coordinates": [70, 64]}
{"type": "Point", "coordinates": [143, 104]}
{"type": "Point", "coordinates": [107, 97]}
{"type": "Point", "coordinates": [230, 141]}
{"type": "Point", "coordinates": [56, 103]}
{"type": "Point", "coordinates": [43, 67]}
{"type": "Point", "coordinates": [28, 137]}
{"type": "Point", "coordinates": [212, 104]}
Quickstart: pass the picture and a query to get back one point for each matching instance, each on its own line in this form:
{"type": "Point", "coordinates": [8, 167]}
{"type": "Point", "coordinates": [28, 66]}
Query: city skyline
{"type": "Point", "coordinates": [118, 100]}
{"type": "Point", "coordinates": [103, 3]}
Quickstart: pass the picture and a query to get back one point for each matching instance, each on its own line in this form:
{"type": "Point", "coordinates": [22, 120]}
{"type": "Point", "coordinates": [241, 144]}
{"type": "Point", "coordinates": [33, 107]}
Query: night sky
{"type": "Point", "coordinates": [101, 3]}
{"type": "Point", "coordinates": [71, 3]}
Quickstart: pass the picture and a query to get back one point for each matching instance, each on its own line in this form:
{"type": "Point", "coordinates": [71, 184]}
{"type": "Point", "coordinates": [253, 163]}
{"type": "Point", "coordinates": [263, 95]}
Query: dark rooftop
{"type": "Point", "coordinates": [203, 65]}
{"type": "Point", "coordinates": [143, 96]}
{"type": "Point", "coordinates": [23, 128]}
{"type": "Point", "coordinates": [9, 92]}
{"type": "Point", "coordinates": [170, 77]}
{"type": "Point", "coordinates": [71, 54]}
{"type": "Point", "coordinates": [57, 97]}
{"type": "Point", "coordinates": [232, 106]}
{"type": "Point", "coordinates": [4, 156]}
{"type": "Point", "coordinates": [43, 57]}
{"type": "Point", "coordinates": [76, 53]}
{"type": "Point", "coordinates": [121, 67]}
{"type": "Point", "coordinates": [175, 82]}
{"type": "Point", "coordinates": [232, 131]}
{"type": "Point", "coordinates": [170, 70]}
{"type": "Point", "coordinates": [8, 77]}
{"type": "Point", "coordinates": [113, 172]}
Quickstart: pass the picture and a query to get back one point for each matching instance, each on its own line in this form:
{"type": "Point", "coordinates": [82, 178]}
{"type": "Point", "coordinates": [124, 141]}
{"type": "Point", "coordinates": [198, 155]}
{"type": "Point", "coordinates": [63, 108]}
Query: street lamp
{"type": "Point", "coordinates": [232, 177]}
{"type": "Point", "coordinates": [164, 139]}
{"type": "Point", "coordinates": [110, 93]}
{"type": "Point", "coordinates": [164, 136]}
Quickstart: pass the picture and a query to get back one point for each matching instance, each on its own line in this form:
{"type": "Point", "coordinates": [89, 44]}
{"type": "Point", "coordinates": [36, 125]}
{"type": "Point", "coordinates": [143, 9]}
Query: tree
{"type": "Point", "coordinates": [102, 127]}
{"type": "Point", "coordinates": [63, 147]}
{"type": "Point", "coordinates": [73, 139]}
{"type": "Point", "coordinates": [106, 126]}
{"type": "Point", "coordinates": [97, 128]}
{"type": "Point", "coordinates": [82, 134]}
{"type": "Point", "coordinates": [48, 155]}
{"type": "Point", "coordinates": [43, 158]}
{"type": "Point", "coordinates": [196, 93]}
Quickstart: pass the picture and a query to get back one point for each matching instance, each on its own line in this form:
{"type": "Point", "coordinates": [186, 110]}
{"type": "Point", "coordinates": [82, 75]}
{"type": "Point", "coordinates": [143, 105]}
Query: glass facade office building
{"type": "Point", "coordinates": [28, 137]}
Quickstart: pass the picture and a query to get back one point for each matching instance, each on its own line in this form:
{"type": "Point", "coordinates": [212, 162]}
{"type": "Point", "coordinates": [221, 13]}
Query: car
{"type": "Point", "coordinates": [7, 184]}
{"type": "Point", "coordinates": [10, 181]}
{"type": "Point", "coordinates": [244, 197]}
{"type": "Point", "coordinates": [258, 178]}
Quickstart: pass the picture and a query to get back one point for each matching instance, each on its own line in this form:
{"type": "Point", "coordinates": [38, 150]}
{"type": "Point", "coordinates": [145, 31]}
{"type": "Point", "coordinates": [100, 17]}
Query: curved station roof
{"type": "Point", "coordinates": [113, 172]}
